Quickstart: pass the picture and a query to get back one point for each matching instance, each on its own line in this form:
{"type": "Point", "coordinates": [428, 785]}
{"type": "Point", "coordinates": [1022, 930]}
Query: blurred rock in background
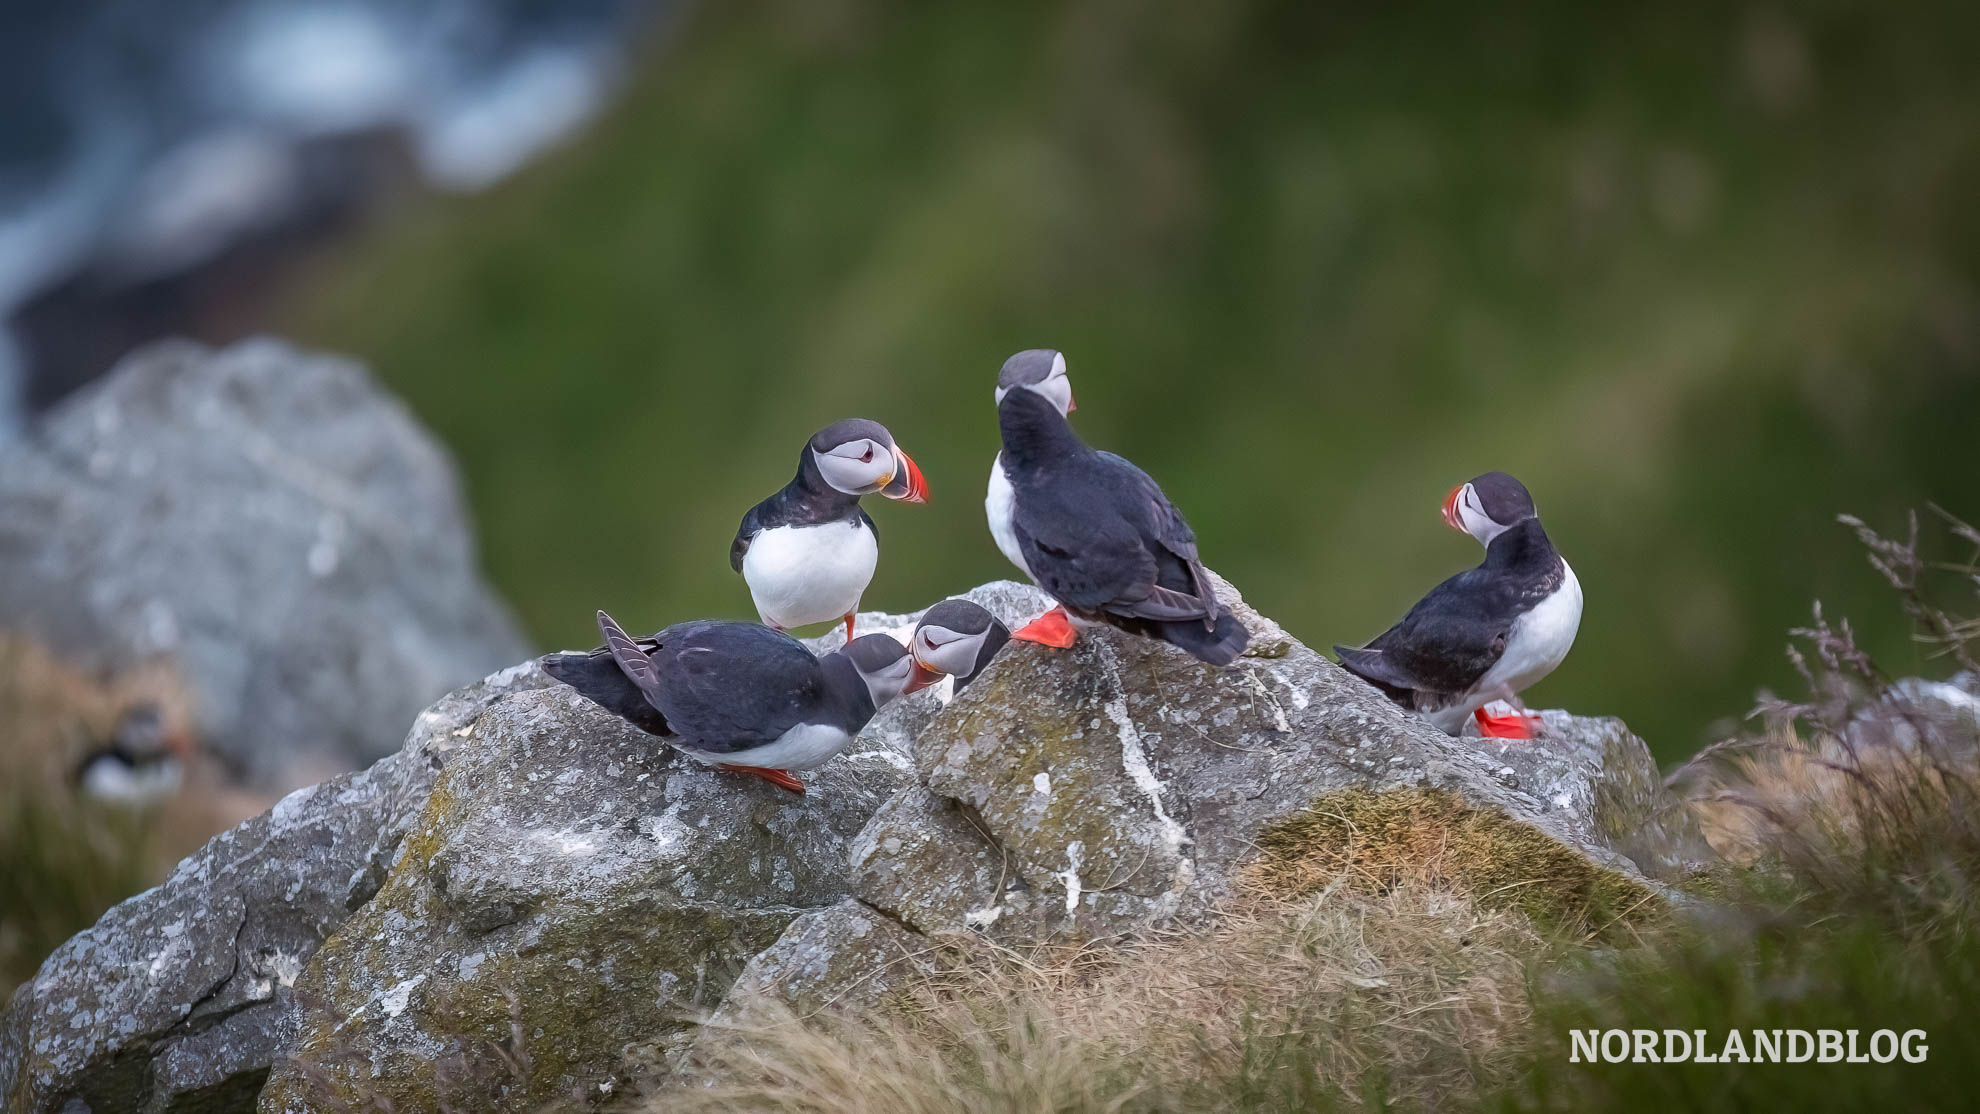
{"type": "Point", "coordinates": [281, 531]}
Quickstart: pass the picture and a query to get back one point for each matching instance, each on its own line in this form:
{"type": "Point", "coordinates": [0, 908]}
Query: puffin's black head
{"type": "Point", "coordinates": [1038, 369]}
{"type": "Point", "coordinates": [956, 637]}
{"type": "Point", "coordinates": [1488, 506]}
{"type": "Point", "coordinates": [859, 457]}
{"type": "Point", "coordinates": [884, 665]}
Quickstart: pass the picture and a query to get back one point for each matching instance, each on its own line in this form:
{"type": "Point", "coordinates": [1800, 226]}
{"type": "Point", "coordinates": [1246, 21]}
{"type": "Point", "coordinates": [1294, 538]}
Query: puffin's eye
{"type": "Point", "coordinates": [867, 456]}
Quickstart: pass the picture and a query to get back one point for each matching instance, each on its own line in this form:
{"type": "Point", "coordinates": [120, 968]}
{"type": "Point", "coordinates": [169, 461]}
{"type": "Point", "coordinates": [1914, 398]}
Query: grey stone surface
{"type": "Point", "coordinates": [1130, 783]}
{"type": "Point", "coordinates": [1595, 774]}
{"type": "Point", "coordinates": [180, 995]}
{"type": "Point", "coordinates": [533, 896]}
{"type": "Point", "coordinates": [1121, 785]}
{"type": "Point", "coordinates": [845, 957]}
{"type": "Point", "coordinates": [577, 881]}
{"type": "Point", "coordinates": [273, 521]}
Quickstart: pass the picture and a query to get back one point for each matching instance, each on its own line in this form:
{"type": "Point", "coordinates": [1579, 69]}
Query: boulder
{"type": "Point", "coordinates": [846, 957]}
{"type": "Point", "coordinates": [1122, 786]}
{"type": "Point", "coordinates": [569, 897]}
{"type": "Point", "coordinates": [534, 900]}
{"type": "Point", "coordinates": [180, 997]}
{"type": "Point", "coordinates": [272, 521]}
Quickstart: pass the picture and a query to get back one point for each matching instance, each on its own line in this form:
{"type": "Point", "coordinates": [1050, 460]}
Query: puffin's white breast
{"type": "Point", "coordinates": [999, 506]}
{"type": "Point", "coordinates": [799, 575]}
{"type": "Point", "coordinates": [109, 780]}
{"type": "Point", "coordinates": [803, 747]}
{"type": "Point", "coordinates": [1538, 640]}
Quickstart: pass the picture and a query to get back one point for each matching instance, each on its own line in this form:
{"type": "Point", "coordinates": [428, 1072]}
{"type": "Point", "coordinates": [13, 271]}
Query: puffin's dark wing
{"type": "Point", "coordinates": [1089, 561]}
{"type": "Point", "coordinates": [752, 525]}
{"type": "Point", "coordinates": [1180, 590]}
{"type": "Point", "coordinates": [1448, 640]}
{"type": "Point", "coordinates": [732, 686]}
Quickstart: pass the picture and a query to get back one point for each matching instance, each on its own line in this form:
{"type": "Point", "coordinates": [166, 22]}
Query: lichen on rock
{"type": "Point", "coordinates": [573, 889]}
{"type": "Point", "coordinates": [534, 898]}
{"type": "Point", "coordinates": [1121, 786]}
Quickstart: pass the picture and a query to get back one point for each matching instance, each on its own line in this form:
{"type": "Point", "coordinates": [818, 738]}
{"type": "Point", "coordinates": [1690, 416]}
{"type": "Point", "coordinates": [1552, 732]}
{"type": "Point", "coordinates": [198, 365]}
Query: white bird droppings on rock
{"type": "Point", "coordinates": [1074, 852]}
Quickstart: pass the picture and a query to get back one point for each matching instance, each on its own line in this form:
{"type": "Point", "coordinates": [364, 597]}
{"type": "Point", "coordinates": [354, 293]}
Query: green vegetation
{"type": "Point", "coordinates": [62, 864]}
{"type": "Point", "coordinates": [1698, 273]}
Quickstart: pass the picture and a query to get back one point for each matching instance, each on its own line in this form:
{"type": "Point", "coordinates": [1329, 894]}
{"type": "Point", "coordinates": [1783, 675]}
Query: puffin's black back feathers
{"type": "Point", "coordinates": [1101, 537]}
{"type": "Point", "coordinates": [1456, 633]}
{"type": "Point", "coordinates": [713, 685]}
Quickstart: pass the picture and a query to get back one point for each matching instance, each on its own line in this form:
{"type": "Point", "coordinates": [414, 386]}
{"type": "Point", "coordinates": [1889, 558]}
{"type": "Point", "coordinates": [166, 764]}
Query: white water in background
{"type": "Point", "coordinates": [147, 137]}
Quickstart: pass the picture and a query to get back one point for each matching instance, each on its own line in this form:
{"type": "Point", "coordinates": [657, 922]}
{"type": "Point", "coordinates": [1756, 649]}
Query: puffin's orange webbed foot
{"type": "Point", "coordinates": [849, 628]}
{"type": "Point", "coordinates": [1515, 726]}
{"type": "Point", "coordinates": [1054, 629]}
{"type": "Point", "coordinates": [782, 779]}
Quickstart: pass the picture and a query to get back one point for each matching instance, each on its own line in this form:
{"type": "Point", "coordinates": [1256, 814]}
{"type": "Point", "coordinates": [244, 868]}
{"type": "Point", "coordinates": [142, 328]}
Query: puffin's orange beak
{"type": "Point", "coordinates": [921, 678]}
{"type": "Point", "coordinates": [1071, 405]}
{"type": "Point", "coordinates": [182, 745]}
{"type": "Point", "coordinates": [1451, 512]}
{"type": "Point", "coordinates": [907, 484]}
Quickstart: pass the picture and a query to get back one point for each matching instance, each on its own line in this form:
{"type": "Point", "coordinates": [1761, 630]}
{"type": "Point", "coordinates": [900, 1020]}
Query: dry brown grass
{"type": "Point", "coordinates": [1414, 994]}
{"type": "Point", "coordinates": [1434, 839]}
{"type": "Point", "coordinates": [1787, 791]}
{"type": "Point", "coordinates": [1868, 788]}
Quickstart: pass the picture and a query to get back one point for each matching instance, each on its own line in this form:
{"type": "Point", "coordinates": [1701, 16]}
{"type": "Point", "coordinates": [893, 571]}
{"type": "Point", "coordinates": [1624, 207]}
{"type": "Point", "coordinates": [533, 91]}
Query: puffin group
{"type": "Point", "coordinates": [1098, 535]}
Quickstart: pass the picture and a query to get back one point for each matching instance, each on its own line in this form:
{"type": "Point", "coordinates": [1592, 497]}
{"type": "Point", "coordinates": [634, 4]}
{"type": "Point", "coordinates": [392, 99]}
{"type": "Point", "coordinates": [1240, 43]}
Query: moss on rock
{"type": "Point", "coordinates": [1377, 840]}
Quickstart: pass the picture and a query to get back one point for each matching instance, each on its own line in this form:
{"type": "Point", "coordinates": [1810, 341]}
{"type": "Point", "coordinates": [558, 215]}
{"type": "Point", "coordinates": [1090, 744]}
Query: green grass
{"type": "Point", "coordinates": [62, 864]}
{"type": "Point", "coordinates": [1700, 274]}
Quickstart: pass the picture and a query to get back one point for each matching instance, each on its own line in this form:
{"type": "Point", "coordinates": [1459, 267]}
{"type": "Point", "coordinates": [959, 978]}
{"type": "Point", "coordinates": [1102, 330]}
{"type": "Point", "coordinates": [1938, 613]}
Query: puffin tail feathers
{"type": "Point", "coordinates": [597, 677]}
{"type": "Point", "coordinates": [1372, 666]}
{"type": "Point", "coordinates": [1220, 643]}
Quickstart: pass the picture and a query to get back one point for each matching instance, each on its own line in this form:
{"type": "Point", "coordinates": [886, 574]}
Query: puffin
{"type": "Point", "coordinates": [741, 696]}
{"type": "Point", "coordinates": [956, 637]}
{"type": "Point", "coordinates": [144, 761]}
{"type": "Point", "coordinates": [808, 551]}
{"type": "Point", "coordinates": [1487, 633]}
{"type": "Point", "coordinates": [1093, 530]}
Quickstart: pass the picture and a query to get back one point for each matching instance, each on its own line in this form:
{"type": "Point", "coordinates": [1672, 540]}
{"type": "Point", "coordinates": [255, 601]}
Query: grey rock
{"type": "Point", "coordinates": [180, 996]}
{"type": "Point", "coordinates": [532, 896]}
{"type": "Point", "coordinates": [575, 882]}
{"type": "Point", "coordinates": [275, 523]}
{"type": "Point", "coordinates": [1598, 776]}
{"type": "Point", "coordinates": [846, 957]}
{"type": "Point", "coordinates": [1120, 784]}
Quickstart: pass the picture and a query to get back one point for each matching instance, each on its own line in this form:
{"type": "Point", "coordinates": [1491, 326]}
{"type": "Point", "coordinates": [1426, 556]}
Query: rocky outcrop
{"type": "Point", "coordinates": [1123, 785]}
{"type": "Point", "coordinates": [273, 522]}
{"type": "Point", "coordinates": [533, 900]}
{"type": "Point", "coordinates": [570, 895]}
{"type": "Point", "coordinates": [182, 996]}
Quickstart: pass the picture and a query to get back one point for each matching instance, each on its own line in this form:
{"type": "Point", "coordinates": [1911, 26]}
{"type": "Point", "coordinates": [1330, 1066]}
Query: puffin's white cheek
{"type": "Point", "coordinates": [1057, 390]}
{"type": "Point", "coordinates": [956, 658]}
{"type": "Point", "coordinates": [854, 477]}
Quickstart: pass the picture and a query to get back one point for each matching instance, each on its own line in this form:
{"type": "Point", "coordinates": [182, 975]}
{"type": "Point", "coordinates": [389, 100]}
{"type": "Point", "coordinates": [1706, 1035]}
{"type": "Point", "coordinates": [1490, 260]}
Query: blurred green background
{"type": "Point", "coordinates": [1703, 275]}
